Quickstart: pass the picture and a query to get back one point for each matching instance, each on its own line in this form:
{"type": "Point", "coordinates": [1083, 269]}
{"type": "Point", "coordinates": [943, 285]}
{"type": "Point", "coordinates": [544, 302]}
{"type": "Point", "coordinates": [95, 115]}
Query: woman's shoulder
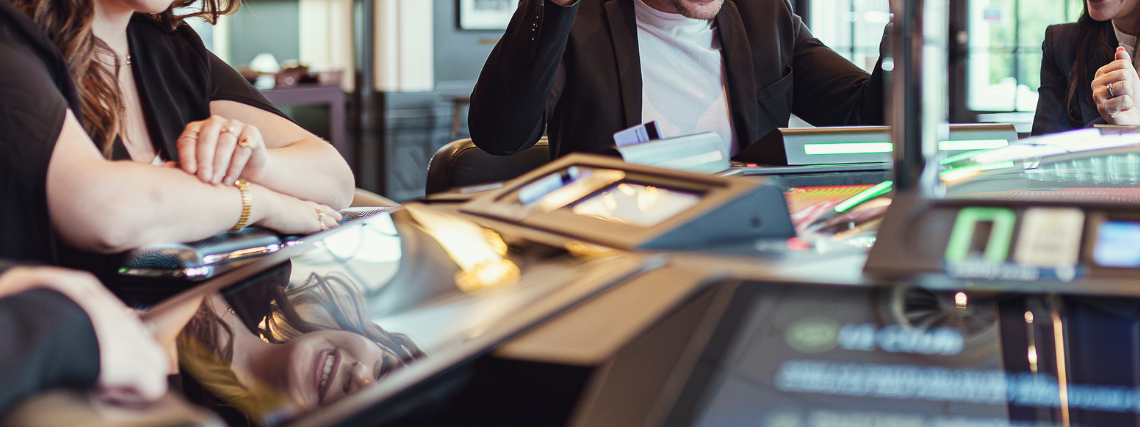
{"type": "Point", "coordinates": [1062, 32]}
{"type": "Point", "coordinates": [23, 34]}
{"type": "Point", "coordinates": [30, 63]}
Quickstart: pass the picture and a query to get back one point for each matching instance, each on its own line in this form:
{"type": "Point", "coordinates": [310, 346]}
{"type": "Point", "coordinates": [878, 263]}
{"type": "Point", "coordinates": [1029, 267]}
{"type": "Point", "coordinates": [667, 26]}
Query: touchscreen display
{"type": "Point", "coordinates": [813, 356]}
{"type": "Point", "coordinates": [636, 204]}
{"type": "Point", "coordinates": [349, 308]}
{"type": "Point", "coordinates": [1117, 244]}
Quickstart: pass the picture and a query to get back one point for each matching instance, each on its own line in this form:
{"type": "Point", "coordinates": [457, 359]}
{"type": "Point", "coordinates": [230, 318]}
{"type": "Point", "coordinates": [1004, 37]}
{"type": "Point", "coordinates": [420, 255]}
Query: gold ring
{"type": "Point", "coordinates": [231, 130]}
{"type": "Point", "coordinates": [321, 219]}
{"type": "Point", "coordinates": [243, 142]}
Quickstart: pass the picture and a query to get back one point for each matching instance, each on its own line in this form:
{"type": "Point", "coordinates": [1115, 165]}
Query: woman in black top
{"type": "Point", "coordinates": [56, 185]}
{"type": "Point", "coordinates": [1079, 62]}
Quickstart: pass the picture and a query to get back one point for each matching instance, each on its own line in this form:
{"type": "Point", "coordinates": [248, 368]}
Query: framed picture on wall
{"type": "Point", "coordinates": [486, 14]}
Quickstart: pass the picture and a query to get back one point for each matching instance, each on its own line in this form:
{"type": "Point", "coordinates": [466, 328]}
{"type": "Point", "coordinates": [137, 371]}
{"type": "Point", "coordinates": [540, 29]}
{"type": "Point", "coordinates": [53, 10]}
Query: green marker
{"type": "Point", "coordinates": [865, 195]}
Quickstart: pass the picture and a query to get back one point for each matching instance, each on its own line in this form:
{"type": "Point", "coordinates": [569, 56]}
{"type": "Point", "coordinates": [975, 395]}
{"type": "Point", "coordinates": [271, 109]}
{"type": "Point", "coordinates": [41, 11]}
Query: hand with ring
{"type": "Point", "coordinates": [1114, 88]}
{"type": "Point", "coordinates": [219, 150]}
{"type": "Point", "coordinates": [289, 215]}
{"type": "Point", "coordinates": [321, 219]}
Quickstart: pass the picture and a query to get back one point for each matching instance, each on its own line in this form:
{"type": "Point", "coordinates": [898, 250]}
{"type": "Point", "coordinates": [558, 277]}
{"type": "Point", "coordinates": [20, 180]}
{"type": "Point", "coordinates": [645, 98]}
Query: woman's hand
{"type": "Point", "coordinates": [290, 215]}
{"type": "Point", "coordinates": [132, 366]}
{"type": "Point", "coordinates": [1116, 103]}
{"type": "Point", "coordinates": [219, 150]}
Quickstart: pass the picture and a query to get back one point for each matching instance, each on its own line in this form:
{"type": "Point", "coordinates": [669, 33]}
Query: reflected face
{"type": "Point", "coordinates": [692, 9]}
{"type": "Point", "coordinates": [325, 366]}
{"type": "Point", "coordinates": [1103, 10]}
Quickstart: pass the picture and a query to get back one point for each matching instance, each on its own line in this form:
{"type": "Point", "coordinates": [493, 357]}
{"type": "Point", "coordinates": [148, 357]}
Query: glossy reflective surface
{"type": "Point", "coordinates": [353, 305]}
{"type": "Point", "coordinates": [1107, 175]}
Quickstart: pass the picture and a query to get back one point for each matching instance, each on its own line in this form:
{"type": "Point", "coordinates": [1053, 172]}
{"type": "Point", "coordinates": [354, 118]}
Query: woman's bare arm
{"type": "Point", "coordinates": [107, 207]}
{"type": "Point", "coordinates": [285, 157]}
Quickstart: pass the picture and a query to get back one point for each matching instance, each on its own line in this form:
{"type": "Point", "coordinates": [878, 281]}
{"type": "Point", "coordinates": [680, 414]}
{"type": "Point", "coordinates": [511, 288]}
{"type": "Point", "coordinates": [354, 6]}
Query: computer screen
{"type": "Point", "coordinates": [796, 355]}
{"type": "Point", "coordinates": [636, 204]}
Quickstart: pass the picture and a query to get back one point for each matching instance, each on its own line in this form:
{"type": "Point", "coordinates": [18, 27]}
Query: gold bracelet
{"type": "Point", "coordinates": [246, 204]}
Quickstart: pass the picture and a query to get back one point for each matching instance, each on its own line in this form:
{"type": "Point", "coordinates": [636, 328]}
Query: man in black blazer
{"type": "Point", "coordinates": [572, 69]}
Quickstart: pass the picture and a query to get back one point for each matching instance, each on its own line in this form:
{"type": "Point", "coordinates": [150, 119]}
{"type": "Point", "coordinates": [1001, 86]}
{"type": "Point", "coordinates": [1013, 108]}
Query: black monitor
{"type": "Point", "coordinates": [784, 355]}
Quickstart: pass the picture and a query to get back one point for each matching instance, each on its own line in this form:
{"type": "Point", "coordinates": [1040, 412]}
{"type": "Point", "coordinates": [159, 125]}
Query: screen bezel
{"type": "Point", "coordinates": [502, 204]}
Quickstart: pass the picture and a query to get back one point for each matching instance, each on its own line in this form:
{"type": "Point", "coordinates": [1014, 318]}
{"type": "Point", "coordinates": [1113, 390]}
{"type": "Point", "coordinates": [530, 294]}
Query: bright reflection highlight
{"type": "Point", "coordinates": [960, 299]}
{"type": "Point", "coordinates": [478, 252]}
{"type": "Point", "coordinates": [1033, 358]}
{"type": "Point", "coordinates": [1029, 317]}
{"type": "Point", "coordinates": [636, 204]}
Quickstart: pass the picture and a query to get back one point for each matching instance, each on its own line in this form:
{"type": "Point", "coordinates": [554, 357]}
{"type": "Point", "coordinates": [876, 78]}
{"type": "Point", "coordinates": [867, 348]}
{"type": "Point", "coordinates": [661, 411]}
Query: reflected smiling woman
{"type": "Point", "coordinates": [273, 352]}
{"type": "Point", "coordinates": [1088, 69]}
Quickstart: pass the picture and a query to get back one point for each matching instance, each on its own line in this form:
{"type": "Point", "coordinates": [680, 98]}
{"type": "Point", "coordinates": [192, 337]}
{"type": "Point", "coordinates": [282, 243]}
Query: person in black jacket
{"type": "Point", "coordinates": [1080, 60]}
{"type": "Point", "coordinates": [62, 328]}
{"type": "Point", "coordinates": [581, 70]}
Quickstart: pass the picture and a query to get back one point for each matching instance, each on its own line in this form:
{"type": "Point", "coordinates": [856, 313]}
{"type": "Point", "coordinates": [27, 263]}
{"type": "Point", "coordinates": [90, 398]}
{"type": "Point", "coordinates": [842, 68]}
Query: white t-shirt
{"type": "Point", "coordinates": [683, 75]}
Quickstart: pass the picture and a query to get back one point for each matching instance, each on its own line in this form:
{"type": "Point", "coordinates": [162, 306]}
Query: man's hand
{"type": "Point", "coordinates": [132, 366]}
{"type": "Point", "coordinates": [1116, 104]}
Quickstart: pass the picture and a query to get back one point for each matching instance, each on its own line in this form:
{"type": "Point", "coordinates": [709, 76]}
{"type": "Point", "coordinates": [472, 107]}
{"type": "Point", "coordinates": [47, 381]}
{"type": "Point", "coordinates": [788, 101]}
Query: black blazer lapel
{"type": "Point", "coordinates": [623, 30]}
{"type": "Point", "coordinates": [737, 55]}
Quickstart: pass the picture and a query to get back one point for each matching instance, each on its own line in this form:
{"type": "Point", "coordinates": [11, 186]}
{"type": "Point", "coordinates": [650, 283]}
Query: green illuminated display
{"type": "Point", "coordinates": [887, 147]}
{"type": "Point", "coordinates": [964, 170]}
{"type": "Point", "coordinates": [997, 245]}
{"type": "Point", "coordinates": [848, 148]}
{"type": "Point", "coordinates": [971, 144]}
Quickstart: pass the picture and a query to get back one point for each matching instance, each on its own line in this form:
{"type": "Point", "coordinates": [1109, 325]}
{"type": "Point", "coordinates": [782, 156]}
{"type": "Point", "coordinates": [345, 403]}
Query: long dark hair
{"type": "Point", "coordinates": [67, 23]}
{"type": "Point", "coordinates": [1095, 49]}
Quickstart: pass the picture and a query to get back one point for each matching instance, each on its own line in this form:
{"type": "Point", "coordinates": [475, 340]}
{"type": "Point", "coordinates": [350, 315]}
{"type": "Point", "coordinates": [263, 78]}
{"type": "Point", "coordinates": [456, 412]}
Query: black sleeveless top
{"type": "Point", "coordinates": [177, 77]}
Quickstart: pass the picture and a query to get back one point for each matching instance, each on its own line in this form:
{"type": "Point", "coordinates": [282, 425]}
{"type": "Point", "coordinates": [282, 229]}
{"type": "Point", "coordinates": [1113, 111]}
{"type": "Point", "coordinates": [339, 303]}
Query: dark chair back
{"type": "Point", "coordinates": [460, 163]}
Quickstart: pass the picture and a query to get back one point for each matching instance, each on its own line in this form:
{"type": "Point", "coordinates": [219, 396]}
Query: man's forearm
{"type": "Point", "coordinates": [509, 105]}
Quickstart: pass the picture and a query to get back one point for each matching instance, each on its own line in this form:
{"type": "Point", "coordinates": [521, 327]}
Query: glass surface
{"type": "Point", "coordinates": [1083, 177]}
{"type": "Point", "coordinates": [353, 306]}
{"type": "Point", "coordinates": [636, 204]}
{"type": "Point", "coordinates": [1116, 244]}
{"type": "Point", "coordinates": [796, 355]}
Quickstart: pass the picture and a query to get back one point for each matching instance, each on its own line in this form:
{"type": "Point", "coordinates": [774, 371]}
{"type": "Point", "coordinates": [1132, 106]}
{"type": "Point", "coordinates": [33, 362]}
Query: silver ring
{"type": "Point", "coordinates": [1110, 94]}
